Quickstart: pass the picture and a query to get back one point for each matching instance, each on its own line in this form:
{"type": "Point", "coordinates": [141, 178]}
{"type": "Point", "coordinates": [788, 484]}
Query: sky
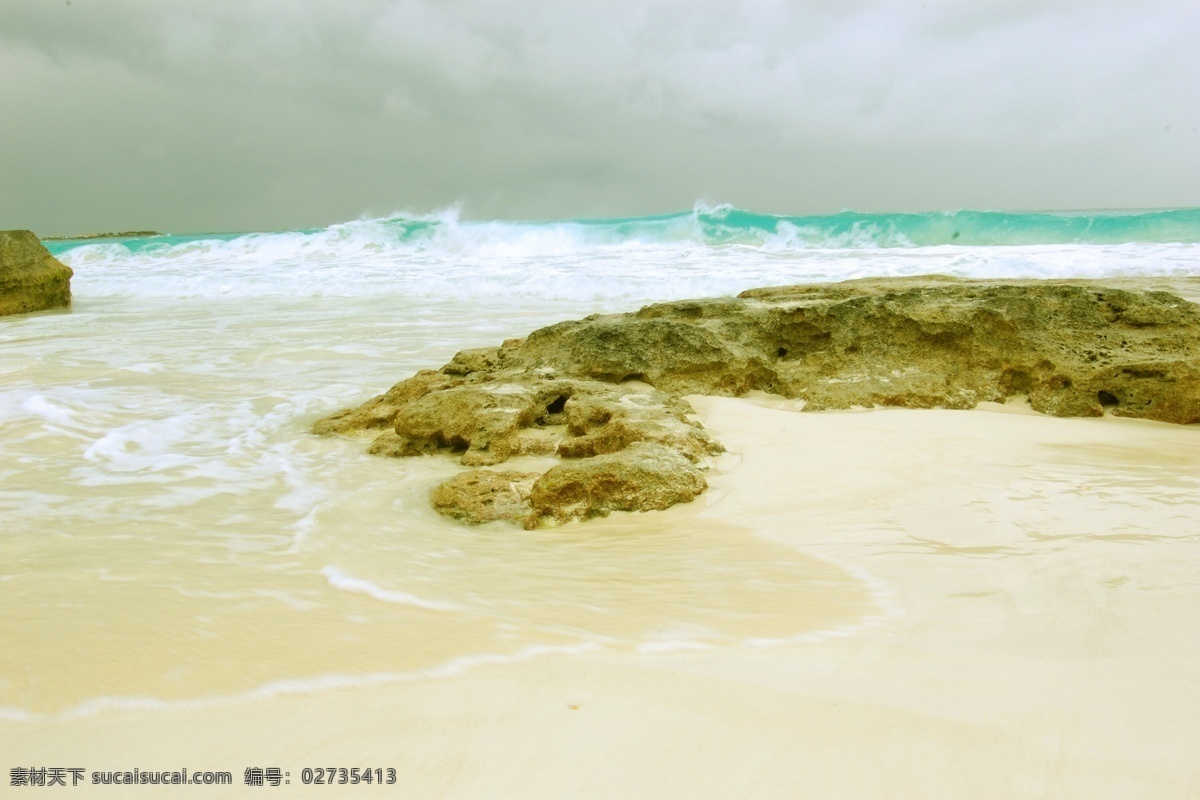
{"type": "Point", "coordinates": [236, 115]}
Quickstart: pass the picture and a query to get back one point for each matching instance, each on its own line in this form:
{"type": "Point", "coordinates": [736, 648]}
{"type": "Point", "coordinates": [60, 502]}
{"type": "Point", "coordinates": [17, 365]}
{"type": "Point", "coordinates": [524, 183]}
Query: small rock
{"type": "Point", "coordinates": [30, 278]}
{"type": "Point", "coordinates": [484, 495]}
{"type": "Point", "coordinates": [642, 477]}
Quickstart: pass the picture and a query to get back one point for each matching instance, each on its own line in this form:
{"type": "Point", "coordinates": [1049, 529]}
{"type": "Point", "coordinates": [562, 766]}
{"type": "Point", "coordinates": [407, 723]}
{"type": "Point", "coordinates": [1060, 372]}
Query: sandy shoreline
{"type": "Point", "coordinates": [1034, 584]}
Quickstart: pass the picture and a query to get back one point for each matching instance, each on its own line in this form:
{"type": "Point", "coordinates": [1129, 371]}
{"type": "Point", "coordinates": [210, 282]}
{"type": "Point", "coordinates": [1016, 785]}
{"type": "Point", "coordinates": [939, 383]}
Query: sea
{"type": "Point", "coordinates": [171, 533]}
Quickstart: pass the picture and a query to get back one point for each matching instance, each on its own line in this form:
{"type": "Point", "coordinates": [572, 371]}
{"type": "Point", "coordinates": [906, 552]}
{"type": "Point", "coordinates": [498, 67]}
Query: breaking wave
{"type": "Point", "coordinates": [703, 226]}
{"type": "Point", "coordinates": [708, 250]}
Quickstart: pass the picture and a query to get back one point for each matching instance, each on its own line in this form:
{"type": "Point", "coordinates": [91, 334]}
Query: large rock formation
{"type": "Point", "coordinates": [604, 393]}
{"type": "Point", "coordinates": [630, 447]}
{"type": "Point", "coordinates": [30, 278]}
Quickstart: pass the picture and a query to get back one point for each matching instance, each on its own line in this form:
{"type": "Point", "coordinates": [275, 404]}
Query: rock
{"type": "Point", "coordinates": [642, 477]}
{"type": "Point", "coordinates": [380, 411]}
{"type": "Point", "coordinates": [482, 422]}
{"type": "Point", "coordinates": [616, 348]}
{"type": "Point", "coordinates": [30, 278]}
{"type": "Point", "coordinates": [604, 419]}
{"type": "Point", "coordinates": [520, 413]}
{"type": "Point", "coordinates": [109, 235]}
{"type": "Point", "coordinates": [605, 392]}
{"type": "Point", "coordinates": [478, 360]}
{"type": "Point", "coordinates": [1074, 348]}
{"type": "Point", "coordinates": [484, 495]}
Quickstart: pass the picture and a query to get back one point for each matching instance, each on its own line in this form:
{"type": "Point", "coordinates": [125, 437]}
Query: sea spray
{"type": "Point", "coordinates": [703, 226]}
{"type": "Point", "coordinates": [706, 251]}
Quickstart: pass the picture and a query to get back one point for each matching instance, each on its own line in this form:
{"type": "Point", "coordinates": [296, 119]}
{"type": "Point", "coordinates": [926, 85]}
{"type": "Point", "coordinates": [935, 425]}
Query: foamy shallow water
{"type": "Point", "coordinates": [171, 532]}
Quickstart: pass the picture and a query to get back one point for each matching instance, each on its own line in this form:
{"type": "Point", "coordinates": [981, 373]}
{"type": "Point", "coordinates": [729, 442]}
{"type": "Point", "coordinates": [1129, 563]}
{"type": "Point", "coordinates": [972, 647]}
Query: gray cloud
{"type": "Point", "coordinates": [270, 114]}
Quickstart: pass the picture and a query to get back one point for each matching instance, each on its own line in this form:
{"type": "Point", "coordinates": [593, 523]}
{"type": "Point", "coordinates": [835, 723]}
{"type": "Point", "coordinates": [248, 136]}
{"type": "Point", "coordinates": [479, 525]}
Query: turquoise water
{"type": "Point", "coordinates": [613, 264]}
{"type": "Point", "coordinates": [725, 226]}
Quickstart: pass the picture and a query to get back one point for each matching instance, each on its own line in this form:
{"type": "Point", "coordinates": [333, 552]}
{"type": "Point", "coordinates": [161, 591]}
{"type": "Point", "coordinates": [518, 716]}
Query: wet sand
{"type": "Point", "coordinates": [1012, 613]}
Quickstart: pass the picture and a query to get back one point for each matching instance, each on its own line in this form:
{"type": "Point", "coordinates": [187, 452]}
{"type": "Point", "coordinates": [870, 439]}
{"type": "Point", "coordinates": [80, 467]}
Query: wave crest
{"type": "Point", "coordinates": [707, 250]}
{"type": "Point", "coordinates": [445, 232]}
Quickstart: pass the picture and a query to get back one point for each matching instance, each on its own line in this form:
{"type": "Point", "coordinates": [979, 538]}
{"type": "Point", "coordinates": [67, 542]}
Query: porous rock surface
{"type": "Point", "coordinates": [643, 477]}
{"type": "Point", "coordinates": [605, 393]}
{"type": "Point", "coordinates": [30, 278]}
{"type": "Point", "coordinates": [485, 495]}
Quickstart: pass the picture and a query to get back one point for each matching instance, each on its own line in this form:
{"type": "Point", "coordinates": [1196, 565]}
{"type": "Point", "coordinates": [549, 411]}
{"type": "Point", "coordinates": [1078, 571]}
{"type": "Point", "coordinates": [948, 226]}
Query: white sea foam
{"type": "Point", "coordinates": [339, 579]}
{"type": "Point", "coordinates": [52, 412]}
{"type": "Point", "coordinates": [442, 256]}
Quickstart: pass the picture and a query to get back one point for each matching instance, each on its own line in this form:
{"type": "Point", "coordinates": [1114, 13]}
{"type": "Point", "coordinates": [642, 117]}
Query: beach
{"type": "Point", "coordinates": [886, 602]}
{"type": "Point", "coordinates": [600, 400]}
{"type": "Point", "coordinates": [1014, 601]}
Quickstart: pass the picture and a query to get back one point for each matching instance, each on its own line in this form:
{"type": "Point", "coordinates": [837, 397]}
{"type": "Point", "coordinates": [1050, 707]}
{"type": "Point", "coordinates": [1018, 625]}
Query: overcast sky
{"type": "Point", "coordinates": [271, 114]}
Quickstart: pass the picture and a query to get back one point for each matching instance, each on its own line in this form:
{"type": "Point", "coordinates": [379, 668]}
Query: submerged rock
{"type": "Point", "coordinates": [30, 278]}
{"type": "Point", "coordinates": [604, 393]}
